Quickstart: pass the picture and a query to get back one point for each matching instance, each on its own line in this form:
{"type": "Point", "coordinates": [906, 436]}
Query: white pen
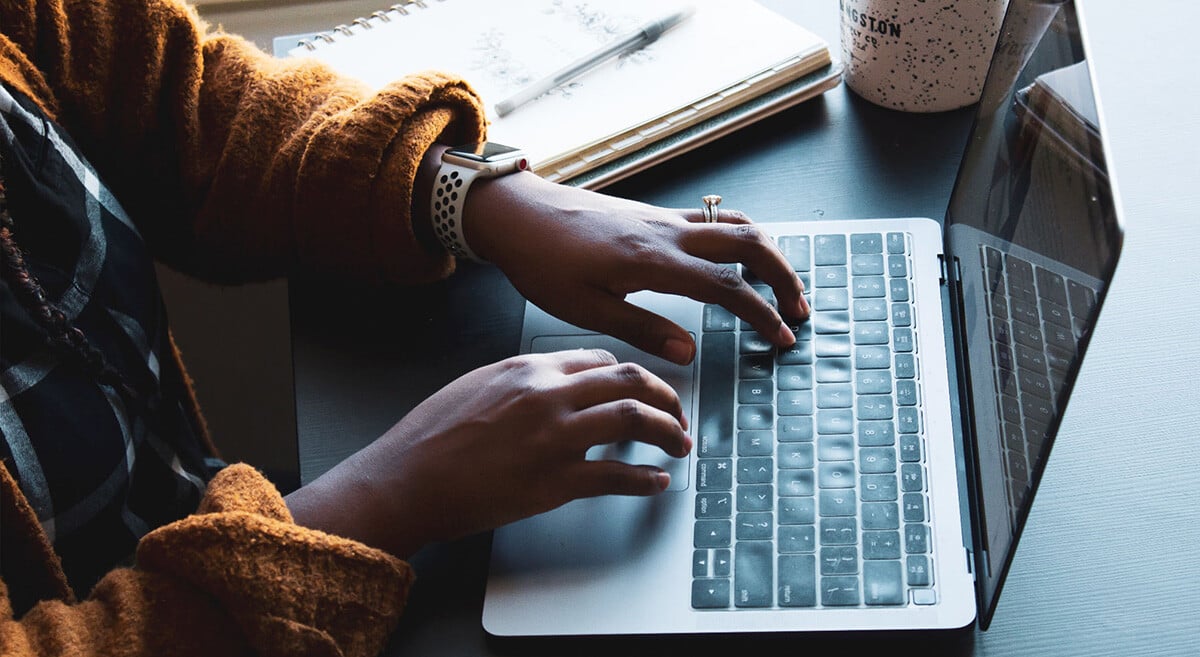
{"type": "Point", "coordinates": [642, 37]}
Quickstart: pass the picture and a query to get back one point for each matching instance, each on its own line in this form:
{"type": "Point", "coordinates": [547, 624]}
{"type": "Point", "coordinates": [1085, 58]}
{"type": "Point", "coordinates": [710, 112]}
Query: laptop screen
{"type": "Point", "coordinates": [1033, 230]}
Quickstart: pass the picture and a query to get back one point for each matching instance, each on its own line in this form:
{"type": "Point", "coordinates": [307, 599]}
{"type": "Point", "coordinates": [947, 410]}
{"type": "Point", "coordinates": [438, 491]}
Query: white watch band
{"type": "Point", "coordinates": [446, 208]}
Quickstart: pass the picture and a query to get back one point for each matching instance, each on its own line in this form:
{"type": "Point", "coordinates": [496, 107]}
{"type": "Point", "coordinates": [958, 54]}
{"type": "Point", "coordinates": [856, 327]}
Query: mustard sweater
{"type": "Point", "coordinates": [236, 167]}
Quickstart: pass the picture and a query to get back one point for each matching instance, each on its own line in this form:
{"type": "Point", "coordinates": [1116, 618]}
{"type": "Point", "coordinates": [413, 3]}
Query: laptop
{"type": "Point", "coordinates": [877, 475]}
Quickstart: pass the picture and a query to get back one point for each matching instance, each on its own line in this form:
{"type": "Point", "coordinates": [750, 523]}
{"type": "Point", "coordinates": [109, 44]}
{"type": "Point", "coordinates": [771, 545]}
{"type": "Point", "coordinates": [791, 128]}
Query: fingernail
{"type": "Point", "coordinates": [678, 351]}
{"type": "Point", "coordinates": [687, 445]}
{"type": "Point", "coordinates": [785, 335]}
{"type": "Point", "coordinates": [662, 479]}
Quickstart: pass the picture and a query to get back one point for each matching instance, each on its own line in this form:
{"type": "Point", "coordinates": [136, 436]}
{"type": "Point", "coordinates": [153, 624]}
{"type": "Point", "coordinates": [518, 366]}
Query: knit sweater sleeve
{"type": "Point", "coordinates": [236, 577]}
{"type": "Point", "coordinates": [237, 166]}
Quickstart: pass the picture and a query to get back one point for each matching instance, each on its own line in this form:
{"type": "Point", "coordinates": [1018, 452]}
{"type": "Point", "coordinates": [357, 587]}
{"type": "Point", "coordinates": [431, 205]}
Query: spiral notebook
{"type": "Point", "coordinates": [731, 62]}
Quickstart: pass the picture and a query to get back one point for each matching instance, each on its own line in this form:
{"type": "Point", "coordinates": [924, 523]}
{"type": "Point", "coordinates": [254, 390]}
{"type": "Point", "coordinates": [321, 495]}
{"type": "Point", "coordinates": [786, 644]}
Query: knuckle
{"type": "Point", "coordinates": [727, 277]}
{"type": "Point", "coordinates": [750, 234]}
{"type": "Point", "coordinates": [633, 373]}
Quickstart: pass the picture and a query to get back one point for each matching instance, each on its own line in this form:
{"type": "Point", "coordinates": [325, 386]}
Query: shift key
{"type": "Point", "coordinates": [752, 574]}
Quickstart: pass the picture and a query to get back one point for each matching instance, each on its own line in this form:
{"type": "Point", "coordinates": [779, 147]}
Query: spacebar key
{"type": "Point", "coordinates": [718, 354]}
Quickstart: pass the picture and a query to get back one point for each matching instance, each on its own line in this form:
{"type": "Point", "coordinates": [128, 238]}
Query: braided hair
{"type": "Point", "coordinates": [61, 336]}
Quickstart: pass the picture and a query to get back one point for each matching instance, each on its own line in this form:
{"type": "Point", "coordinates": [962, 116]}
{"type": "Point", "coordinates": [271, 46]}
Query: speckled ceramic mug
{"type": "Point", "coordinates": [919, 55]}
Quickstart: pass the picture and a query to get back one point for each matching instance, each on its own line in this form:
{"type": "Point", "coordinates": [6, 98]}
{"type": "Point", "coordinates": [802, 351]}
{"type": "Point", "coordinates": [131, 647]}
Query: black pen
{"type": "Point", "coordinates": [642, 37]}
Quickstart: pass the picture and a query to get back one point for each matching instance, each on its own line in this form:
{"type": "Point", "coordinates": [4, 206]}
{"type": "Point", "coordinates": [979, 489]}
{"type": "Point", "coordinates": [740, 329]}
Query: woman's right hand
{"type": "Point", "coordinates": [501, 443]}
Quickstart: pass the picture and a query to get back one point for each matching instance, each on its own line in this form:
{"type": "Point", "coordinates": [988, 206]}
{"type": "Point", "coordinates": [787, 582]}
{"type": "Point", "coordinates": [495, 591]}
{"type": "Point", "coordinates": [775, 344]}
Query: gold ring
{"type": "Point", "coordinates": [711, 201]}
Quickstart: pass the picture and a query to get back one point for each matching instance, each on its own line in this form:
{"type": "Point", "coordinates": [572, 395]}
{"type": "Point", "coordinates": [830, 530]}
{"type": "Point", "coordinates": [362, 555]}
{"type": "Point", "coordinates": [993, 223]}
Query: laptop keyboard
{"type": "Point", "coordinates": [1037, 319]}
{"type": "Point", "coordinates": [810, 475]}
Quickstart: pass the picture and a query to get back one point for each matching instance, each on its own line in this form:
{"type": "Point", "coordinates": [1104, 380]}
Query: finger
{"type": "Point", "coordinates": [710, 282]}
{"type": "Point", "coordinates": [723, 216]}
{"type": "Point", "coordinates": [628, 419]}
{"type": "Point", "coordinates": [641, 328]}
{"type": "Point", "coordinates": [595, 478]}
{"type": "Point", "coordinates": [625, 381]}
{"type": "Point", "coordinates": [571, 361]}
{"type": "Point", "coordinates": [752, 247]}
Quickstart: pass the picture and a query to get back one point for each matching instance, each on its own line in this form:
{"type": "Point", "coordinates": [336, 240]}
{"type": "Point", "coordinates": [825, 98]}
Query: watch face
{"type": "Point", "coordinates": [487, 151]}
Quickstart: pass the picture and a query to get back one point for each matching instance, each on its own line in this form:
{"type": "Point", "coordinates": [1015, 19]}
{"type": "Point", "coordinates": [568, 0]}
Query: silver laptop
{"type": "Point", "coordinates": [863, 479]}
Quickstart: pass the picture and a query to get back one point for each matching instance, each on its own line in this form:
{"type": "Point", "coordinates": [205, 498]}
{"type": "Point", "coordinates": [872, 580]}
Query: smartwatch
{"type": "Point", "coordinates": [460, 167]}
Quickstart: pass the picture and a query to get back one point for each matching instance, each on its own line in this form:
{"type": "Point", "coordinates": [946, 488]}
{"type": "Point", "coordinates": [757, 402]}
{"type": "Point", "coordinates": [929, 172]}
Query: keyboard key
{"type": "Point", "coordinates": [877, 460]}
{"type": "Point", "coordinates": [876, 434]}
{"type": "Point", "coordinates": [882, 545]}
{"type": "Point", "coordinates": [796, 483]}
{"type": "Point", "coordinates": [797, 511]}
{"type": "Point", "coordinates": [912, 478]}
{"type": "Point", "coordinates": [795, 377]}
{"type": "Point", "coordinates": [879, 488]}
{"type": "Point", "coordinates": [874, 357]}
{"type": "Point", "coordinates": [906, 366]}
{"type": "Point", "coordinates": [722, 562]}
{"type": "Point", "coordinates": [883, 583]}
{"type": "Point", "coordinates": [714, 474]}
{"type": "Point", "coordinates": [914, 507]}
{"type": "Point", "coordinates": [872, 382]}
{"type": "Point", "coordinates": [713, 506]}
{"type": "Point", "coordinates": [753, 574]}
{"type": "Point", "coordinates": [899, 289]}
{"type": "Point", "coordinates": [756, 391]}
{"type": "Point", "coordinates": [712, 533]}
{"type": "Point", "coordinates": [874, 407]}
{"type": "Point", "coordinates": [717, 318]}
{"type": "Point", "coordinates": [880, 515]}
{"type": "Point", "coordinates": [916, 539]}
{"type": "Point", "coordinates": [908, 419]}
{"type": "Point", "coordinates": [895, 242]}
{"type": "Point", "coordinates": [837, 503]}
{"type": "Point", "coordinates": [840, 592]}
{"type": "Point", "coordinates": [715, 428]}
{"type": "Point", "coordinates": [800, 353]}
{"type": "Point", "coordinates": [866, 243]}
{"type": "Point", "coordinates": [835, 395]}
{"type": "Point", "coordinates": [794, 429]}
{"type": "Point", "coordinates": [755, 366]}
{"type": "Point", "coordinates": [831, 322]}
{"type": "Point", "coordinates": [755, 417]}
{"type": "Point", "coordinates": [910, 448]}
{"type": "Point", "coordinates": [795, 456]}
{"type": "Point", "coordinates": [830, 299]}
{"type": "Point", "coordinates": [700, 563]}
{"type": "Point", "coordinates": [795, 402]}
{"type": "Point", "coordinates": [750, 342]}
{"type": "Point", "coordinates": [841, 560]}
{"type": "Point", "coordinates": [832, 346]}
{"type": "Point", "coordinates": [901, 314]}
{"type": "Point", "coordinates": [755, 497]}
{"type": "Point", "coordinates": [839, 531]}
{"type": "Point", "coordinates": [754, 526]}
{"type": "Point", "coordinates": [756, 470]}
{"type": "Point", "coordinates": [835, 421]}
{"type": "Point", "coordinates": [831, 277]}
{"type": "Point", "coordinates": [835, 448]}
{"type": "Point", "coordinates": [797, 539]}
{"type": "Point", "coordinates": [869, 287]}
{"type": "Point", "coordinates": [833, 370]}
{"type": "Point", "coordinates": [870, 310]}
{"type": "Point", "coordinates": [919, 572]}
{"type": "Point", "coordinates": [829, 250]}
{"type": "Point", "coordinates": [902, 340]}
{"type": "Point", "coordinates": [866, 265]}
{"type": "Point", "coordinates": [836, 474]}
{"type": "Point", "coordinates": [710, 594]}
{"type": "Point", "coordinates": [897, 266]}
{"type": "Point", "coordinates": [797, 250]}
{"type": "Point", "coordinates": [1051, 286]}
{"type": "Point", "coordinates": [906, 392]}
{"type": "Point", "coordinates": [871, 333]}
{"type": "Point", "coordinates": [797, 580]}
{"type": "Point", "coordinates": [756, 443]}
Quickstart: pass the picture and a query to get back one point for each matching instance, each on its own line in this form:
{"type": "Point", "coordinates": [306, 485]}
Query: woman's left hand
{"type": "Point", "coordinates": [577, 254]}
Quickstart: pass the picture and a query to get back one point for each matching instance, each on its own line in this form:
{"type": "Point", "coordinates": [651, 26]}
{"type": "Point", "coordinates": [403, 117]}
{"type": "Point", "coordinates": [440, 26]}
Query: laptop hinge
{"type": "Point", "coordinates": [947, 270]}
{"type": "Point", "coordinates": [970, 562]}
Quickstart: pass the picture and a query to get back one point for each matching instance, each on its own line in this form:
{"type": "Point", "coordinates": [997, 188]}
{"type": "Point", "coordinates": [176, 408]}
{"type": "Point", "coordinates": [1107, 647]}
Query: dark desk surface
{"type": "Point", "coordinates": [1106, 566]}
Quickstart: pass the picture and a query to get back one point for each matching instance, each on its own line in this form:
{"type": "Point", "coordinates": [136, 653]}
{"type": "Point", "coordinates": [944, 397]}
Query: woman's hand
{"type": "Point", "coordinates": [501, 443]}
{"type": "Point", "coordinates": [577, 254]}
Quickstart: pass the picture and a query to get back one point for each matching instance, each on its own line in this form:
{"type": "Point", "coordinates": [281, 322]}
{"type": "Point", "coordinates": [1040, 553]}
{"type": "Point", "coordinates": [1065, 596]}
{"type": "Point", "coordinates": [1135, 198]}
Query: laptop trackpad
{"type": "Point", "coordinates": [679, 377]}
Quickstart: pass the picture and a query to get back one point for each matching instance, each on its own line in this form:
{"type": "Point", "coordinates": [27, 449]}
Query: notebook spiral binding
{"type": "Point", "coordinates": [365, 22]}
